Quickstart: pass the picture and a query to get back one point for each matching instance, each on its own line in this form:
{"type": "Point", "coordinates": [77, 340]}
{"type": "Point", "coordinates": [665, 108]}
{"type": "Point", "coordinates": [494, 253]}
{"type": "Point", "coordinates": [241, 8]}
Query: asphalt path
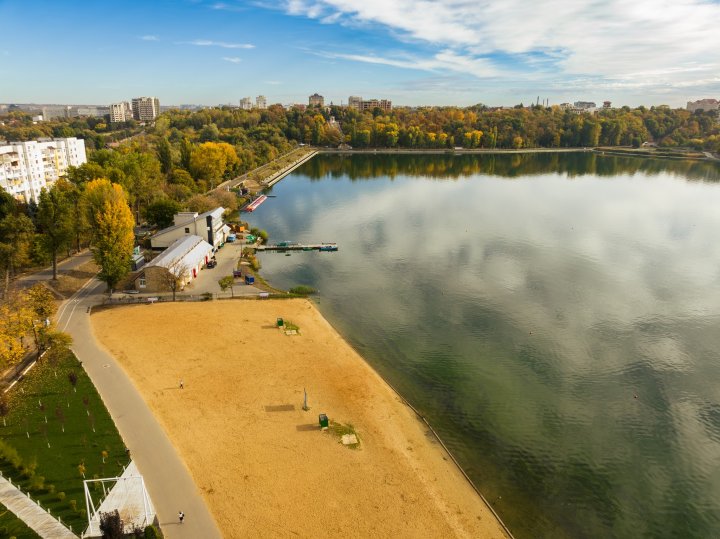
{"type": "Point", "coordinates": [167, 479]}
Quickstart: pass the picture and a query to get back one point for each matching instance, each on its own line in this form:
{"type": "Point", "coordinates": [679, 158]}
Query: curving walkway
{"type": "Point", "coordinates": [44, 524]}
{"type": "Point", "coordinates": [168, 481]}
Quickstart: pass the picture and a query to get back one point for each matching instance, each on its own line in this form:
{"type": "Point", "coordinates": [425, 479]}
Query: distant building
{"type": "Point", "coordinates": [584, 105]}
{"type": "Point", "coordinates": [145, 109]}
{"type": "Point", "coordinates": [28, 167]}
{"type": "Point", "coordinates": [54, 112]}
{"type": "Point", "coordinates": [354, 102]}
{"type": "Point", "coordinates": [120, 112]}
{"type": "Point", "coordinates": [316, 100]}
{"type": "Point", "coordinates": [261, 102]}
{"type": "Point", "coordinates": [706, 105]}
{"type": "Point", "coordinates": [607, 104]}
{"type": "Point", "coordinates": [246, 103]}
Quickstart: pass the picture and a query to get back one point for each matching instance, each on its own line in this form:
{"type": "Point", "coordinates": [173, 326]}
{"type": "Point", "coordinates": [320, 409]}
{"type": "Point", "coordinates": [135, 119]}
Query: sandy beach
{"type": "Point", "coordinates": [262, 462]}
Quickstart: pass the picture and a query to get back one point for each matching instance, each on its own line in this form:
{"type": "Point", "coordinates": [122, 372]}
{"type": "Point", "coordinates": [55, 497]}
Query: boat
{"type": "Point", "coordinates": [255, 203]}
{"type": "Point", "coordinates": [328, 247]}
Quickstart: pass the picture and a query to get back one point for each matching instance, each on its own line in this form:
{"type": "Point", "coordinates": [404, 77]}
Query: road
{"type": "Point", "coordinates": [168, 481]}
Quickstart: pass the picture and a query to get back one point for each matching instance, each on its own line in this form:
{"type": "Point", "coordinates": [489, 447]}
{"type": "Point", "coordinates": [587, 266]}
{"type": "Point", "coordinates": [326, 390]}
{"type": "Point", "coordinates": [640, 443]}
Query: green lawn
{"type": "Point", "coordinates": [11, 526]}
{"type": "Point", "coordinates": [55, 428]}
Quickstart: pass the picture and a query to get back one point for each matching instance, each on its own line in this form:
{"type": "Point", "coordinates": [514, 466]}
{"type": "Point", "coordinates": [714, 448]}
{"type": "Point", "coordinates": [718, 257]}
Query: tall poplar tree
{"type": "Point", "coordinates": [112, 224]}
{"type": "Point", "coordinates": [54, 220]}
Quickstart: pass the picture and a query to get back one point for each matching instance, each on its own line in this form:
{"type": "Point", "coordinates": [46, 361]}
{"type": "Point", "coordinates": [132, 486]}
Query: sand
{"type": "Point", "coordinates": [262, 463]}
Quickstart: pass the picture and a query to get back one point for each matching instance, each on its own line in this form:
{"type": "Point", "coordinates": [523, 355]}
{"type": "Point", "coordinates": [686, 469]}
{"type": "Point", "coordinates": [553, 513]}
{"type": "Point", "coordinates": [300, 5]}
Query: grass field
{"type": "Point", "coordinates": [56, 431]}
{"type": "Point", "coordinates": [11, 526]}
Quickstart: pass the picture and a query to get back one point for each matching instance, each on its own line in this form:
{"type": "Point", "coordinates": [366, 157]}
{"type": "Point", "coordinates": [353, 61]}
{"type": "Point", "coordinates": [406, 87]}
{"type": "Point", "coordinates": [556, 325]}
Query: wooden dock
{"type": "Point", "coordinates": [292, 246]}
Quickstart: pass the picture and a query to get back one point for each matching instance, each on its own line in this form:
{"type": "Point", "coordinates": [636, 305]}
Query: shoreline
{"type": "Point", "coordinates": [399, 444]}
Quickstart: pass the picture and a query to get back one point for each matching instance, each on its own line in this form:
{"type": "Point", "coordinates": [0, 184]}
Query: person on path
{"type": "Point", "coordinates": [181, 516]}
{"type": "Point", "coordinates": [182, 386]}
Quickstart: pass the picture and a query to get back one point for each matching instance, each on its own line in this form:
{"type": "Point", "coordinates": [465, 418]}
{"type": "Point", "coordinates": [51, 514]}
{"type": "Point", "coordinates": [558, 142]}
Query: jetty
{"type": "Point", "coordinates": [293, 246]}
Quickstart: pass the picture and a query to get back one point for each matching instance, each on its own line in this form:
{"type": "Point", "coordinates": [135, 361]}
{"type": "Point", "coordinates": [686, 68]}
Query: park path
{"type": "Point", "coordinates": [167, 479]}
{"type": "Point", "coordinates": [44, 524]}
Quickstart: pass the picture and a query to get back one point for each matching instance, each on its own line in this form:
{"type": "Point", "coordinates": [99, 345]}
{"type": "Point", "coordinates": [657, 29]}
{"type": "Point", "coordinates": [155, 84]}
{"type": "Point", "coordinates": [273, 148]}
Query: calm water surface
{"type": "Point", "coordinates": [556, 317]}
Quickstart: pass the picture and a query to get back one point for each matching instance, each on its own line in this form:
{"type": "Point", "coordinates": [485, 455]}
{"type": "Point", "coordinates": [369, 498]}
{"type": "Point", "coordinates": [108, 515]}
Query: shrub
{"type": "Point", "coordinates": [61, 496]}
{"type": "Point", "coordinates": [151, 532]}
{"type": "Point", "coordinates": [73, 505]}
{"type": "Point", "coordinates": [302, 290]}
{"type": "Point", "coordinates": [110, 525]}
{"type": "Point", "coordinates": [37, 482]}
{"type": "Point", "coordinates": [10, 455]}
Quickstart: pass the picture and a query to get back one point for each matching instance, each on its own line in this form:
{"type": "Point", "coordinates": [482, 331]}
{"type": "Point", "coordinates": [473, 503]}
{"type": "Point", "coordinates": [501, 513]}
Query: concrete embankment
{"type": "Point", "coordinates": [272, 180]}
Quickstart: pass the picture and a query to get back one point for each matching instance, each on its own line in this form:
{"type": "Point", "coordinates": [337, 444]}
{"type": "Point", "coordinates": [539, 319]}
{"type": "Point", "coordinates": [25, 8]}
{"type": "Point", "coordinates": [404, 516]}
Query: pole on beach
{"type": "Point", "coordinates": [305, 406]}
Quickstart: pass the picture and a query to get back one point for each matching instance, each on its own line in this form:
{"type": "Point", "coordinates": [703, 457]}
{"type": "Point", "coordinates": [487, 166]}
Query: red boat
{"type": "Point", "coordinates": [255, 203]}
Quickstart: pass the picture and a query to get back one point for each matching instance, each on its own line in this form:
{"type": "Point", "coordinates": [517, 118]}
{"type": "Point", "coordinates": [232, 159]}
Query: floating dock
{"type": "Point", "coordinates": [292, 246]}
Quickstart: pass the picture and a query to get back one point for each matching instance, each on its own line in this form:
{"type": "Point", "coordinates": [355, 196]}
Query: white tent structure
{"type": "Point", "coordinates": [126, 494]}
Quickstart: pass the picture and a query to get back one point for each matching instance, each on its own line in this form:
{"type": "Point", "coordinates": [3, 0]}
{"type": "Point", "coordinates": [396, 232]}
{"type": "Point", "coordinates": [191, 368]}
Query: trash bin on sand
{"type": "Point", "coordinates": [323, 419]}
{"type": "Point", "coordinates": [280, 322]}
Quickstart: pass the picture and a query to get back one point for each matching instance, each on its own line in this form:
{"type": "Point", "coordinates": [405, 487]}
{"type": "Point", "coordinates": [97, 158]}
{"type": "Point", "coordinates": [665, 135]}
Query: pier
{"type": "Point", "coordinates": [292, 246]}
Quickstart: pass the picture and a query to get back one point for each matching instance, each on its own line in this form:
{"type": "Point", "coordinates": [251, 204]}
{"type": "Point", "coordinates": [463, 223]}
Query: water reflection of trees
{"type": "Point", "coordinates": [363, 166]}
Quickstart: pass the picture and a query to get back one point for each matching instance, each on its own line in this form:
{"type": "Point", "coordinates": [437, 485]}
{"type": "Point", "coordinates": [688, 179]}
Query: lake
{"type": "Point", "coordinates": [556, 317]}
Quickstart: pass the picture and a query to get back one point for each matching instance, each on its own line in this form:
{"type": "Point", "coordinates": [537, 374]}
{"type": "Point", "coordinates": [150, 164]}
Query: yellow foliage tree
{"type": "Point", "coordinates": [15, 319]}
{"type": "Point", "coordinates": [112, 224]}
{"type": "Point", "coordinates": [210, 161]}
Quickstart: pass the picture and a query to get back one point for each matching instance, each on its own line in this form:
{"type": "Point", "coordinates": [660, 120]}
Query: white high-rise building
{"type": "Point", "coordinates": [120, 112]}
{"type": "Point", "coordinates": [355, 102]}
{"type": "Point", "coordinates": [261, 102]}
{"type": "Point", "coordinates": [28, 167]}
{"type": "Point", "coordinates": [246, 103]}
{"type": "Point", "coordinates": [145, 109]}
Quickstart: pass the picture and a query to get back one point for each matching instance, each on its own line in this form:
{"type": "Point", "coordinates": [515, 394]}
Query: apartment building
{"type": "Point", "coordinates": [120, 112]}
{"type": "Point", "coordinates": [261, 102]}
{"type": "Point", "coordinates": [358, 103]}
{"type": "Point", "coordinates": [28, 167]}
{"type": "Point", "coordinates": [316, 100]}
{"type": "Point", "coordinates": [145, 109]}
{"type": "Point", "coordinates": [705, 105]}
{"type": "Point", "coordinates": [246, 103]}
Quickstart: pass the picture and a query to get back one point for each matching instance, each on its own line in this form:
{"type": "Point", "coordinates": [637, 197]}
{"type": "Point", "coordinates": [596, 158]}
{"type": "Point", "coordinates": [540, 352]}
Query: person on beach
{"type": "Point", "coordinates": [181, 516]}
{"type": "Point", "coordinates": [182, 386]}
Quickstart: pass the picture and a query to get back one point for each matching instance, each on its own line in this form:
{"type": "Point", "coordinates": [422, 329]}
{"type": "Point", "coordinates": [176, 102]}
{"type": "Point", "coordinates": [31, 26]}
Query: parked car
{"type": "Point", "coordinates": [211, 263]}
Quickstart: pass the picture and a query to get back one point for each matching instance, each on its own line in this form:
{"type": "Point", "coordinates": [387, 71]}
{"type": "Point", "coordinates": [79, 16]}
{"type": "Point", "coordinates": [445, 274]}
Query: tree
{"type": "Point", "coordinates": [175, 278]}
{"type": "Point", "coordinates": [164, 153]}
{"type": "Point", "coordinates": [16, 236]}
{"type": "Point", "coordinates": [161, 212]}
{"type": "Point", "coordinates": [54, 221]}
{"type": "Point", "coordinates": [14, 320]}
{"type": "Point", "coordinates": [111, 525]}
{"type": "Point", "coordinates": [41, 304]}
{"type": "Point", "coordinates": [227, 282]}
{"type": "Point", "coordinates": [211, 161]}
{"type": "Point", "coordinates": [112, 225]}
{"type": "Point", "coordinates": [4, 407]}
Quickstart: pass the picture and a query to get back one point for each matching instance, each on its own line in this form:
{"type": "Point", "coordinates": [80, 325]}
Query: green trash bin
{"type": "Point", "coordinates": [280, 322]}
{"type": "Point", "coordinates": [323, 419]}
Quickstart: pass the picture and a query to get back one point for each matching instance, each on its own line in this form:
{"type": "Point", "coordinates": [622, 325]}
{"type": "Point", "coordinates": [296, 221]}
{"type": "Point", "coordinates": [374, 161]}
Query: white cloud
{"type": "Point", "coordinates": [222, 44]}
{"type": "Point", "coordinates": [232, 59]}
{"type": "Point", "coordinates": [150, 38]}
{"type": "Point", "coordinates": [657, 43]}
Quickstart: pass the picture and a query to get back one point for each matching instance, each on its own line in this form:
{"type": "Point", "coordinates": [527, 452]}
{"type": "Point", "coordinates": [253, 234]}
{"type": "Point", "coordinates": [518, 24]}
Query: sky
{"type": "Point", "coordinates": [414, 52]}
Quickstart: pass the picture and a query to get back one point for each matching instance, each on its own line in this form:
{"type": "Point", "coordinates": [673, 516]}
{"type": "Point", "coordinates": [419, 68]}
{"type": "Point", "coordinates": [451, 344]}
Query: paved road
{"type": "Point", "coordinates": [64, 266]}
{"type": "Point", "coordinates": [168, 481]}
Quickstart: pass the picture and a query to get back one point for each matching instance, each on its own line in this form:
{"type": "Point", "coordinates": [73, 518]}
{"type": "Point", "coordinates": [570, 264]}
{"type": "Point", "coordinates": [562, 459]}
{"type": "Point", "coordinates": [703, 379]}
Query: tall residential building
{"type": "Point", "coordinates": [27, 167]}
{"type": "Point", "coordinates": [704, 105]}
{"type": "Point", "coordinates": [316, 100]}
{"type": "Point", "coordinates": [383, 104]}
{"type": "Point", "coordinates": [261, 102]}
{"type": "Point", "coordinates": [246, 103]}
{"type": "Point", "coordinates": [145, 109]}
{"type": "Point", "coordinates": [354, 102]}
{"type": "Point", "coordinates": [120, 112]}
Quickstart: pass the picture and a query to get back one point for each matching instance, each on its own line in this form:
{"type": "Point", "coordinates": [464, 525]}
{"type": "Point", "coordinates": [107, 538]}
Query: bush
{"type": "Point", "coordinates": [110, 525]}
{"type": "Point", "coordinates": [61, 496]}
{"type": "Point", "coordinates": [151, 532]}
{"type": "Point", "coordinates": [37, 482]}
{"type": "Point", "coordinates": [302, 290]}
{"type": "Point", "coordinates": [10, 455]}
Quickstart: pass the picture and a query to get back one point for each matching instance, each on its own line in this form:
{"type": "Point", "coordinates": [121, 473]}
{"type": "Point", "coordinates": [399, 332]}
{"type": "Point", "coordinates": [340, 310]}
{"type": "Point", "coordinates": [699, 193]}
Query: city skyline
{"type": "Point", "coordinates": [414, 53]}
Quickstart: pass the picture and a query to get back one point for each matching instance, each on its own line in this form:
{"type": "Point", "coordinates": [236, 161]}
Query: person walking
{"type": "Point", "coordinates": [182, 386]}
{"type": "Point", "coordinates": [181, 516]}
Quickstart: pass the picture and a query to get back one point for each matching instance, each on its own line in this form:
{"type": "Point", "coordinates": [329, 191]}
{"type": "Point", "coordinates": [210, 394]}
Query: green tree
{"type": "Point", "coordinates": [227, 282]}
{"type": "Point", "coordinates": [41, 304]}
{"type": "Point", "coordinates": [161, 212]}
{"type": "Point", "coordinates": [54, 221]}
{"type": "Point", "coordinates": [112, 225]}
{"type": "Point", "coordinates": [164, 153]}
{"type": "Point", "coordinates": [16, 236]}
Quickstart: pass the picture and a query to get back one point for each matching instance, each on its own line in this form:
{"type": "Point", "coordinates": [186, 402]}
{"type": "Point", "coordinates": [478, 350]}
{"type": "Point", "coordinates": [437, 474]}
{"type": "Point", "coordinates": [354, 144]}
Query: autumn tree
{"type": "Point", "coordinates": [41, 304]}
{"type": "Point", "coordinates": [14, 319]}
{"type": "Point", "coordinates": [211, 161]}
{"type": "Point", "coordinates": [54, 220]}
{"type": "Point", "coordinates": [227, 282]}
{"type": "Point", "coordinates": [112, 225]}
{"type": "Point", "coordinates": [16, 235]}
